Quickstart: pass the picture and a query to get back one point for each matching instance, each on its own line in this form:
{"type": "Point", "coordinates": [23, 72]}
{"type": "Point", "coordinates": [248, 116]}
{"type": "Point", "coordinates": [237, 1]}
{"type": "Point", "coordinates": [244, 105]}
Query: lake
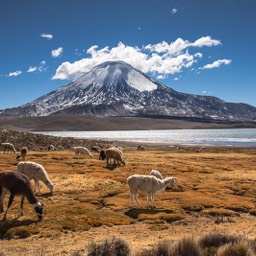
{"type": "Point", "coordinates": [214, 137]}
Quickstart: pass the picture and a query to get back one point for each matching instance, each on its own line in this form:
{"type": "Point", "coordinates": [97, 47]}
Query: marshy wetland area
{"type": "Point", "coordinates": [215, 192]}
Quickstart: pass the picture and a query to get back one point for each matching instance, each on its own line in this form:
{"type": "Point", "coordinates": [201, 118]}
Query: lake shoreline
{"type": "Point", "coordinates": [171, 138]}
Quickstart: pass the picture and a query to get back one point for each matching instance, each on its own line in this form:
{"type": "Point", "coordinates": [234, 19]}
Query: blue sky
{"type": "Point", "coordinates": [205, 47]}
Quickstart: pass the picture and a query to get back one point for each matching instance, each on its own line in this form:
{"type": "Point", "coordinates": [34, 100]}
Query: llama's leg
{"type": "Point", "coordinates": [21, 206]}
{"type": "Point", "coordinates": [9, 205]}
{"type": "Point", "coordinates": [34, 186]}
{"type": "Point", "coordinates": [38, 186]}
{"type": "Point", "coordinates": [2, 199]}
{"type": "Point", "coordinates": [136, 198]}
{"type": "Point", "coordinates": [153, 200]}
{"type": "Point", "coordinates": [149, 196]}
{"type": "Point", "coordinates": [3, 193]}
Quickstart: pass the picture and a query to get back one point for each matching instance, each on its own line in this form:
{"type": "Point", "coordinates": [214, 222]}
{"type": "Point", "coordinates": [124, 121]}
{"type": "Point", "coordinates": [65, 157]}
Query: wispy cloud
{"type": "Point", "coordinates": [161, 59]}
{"type": "Point", "coordinates": [31, 69]}
{"type": "Point", "coordinates": [216, 64]}
{"type": "Point", "coordinates": [57, 52]}
{"type": "Point", "coordinates": [174, 11]}
{"type": "Point", "coordinates": [206, 92]}
{"type": "Point", "coordinates": [47, 36]}
{"type": "Point", "coordinates": [16, 73]}
{"type": "Point", "coordinates": [40, 68]}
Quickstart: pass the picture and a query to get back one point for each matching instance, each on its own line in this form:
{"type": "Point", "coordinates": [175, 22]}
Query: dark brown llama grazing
{"type": "Point", "coordinates": [18, 184]}
{"type": "Point", "coordinates": [102, 155]}
{"type": "Point", "coordinates": [23, 153]}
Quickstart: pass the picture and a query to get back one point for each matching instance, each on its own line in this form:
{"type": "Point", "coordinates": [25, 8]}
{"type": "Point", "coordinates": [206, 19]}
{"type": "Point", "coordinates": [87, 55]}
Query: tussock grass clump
{"type": "Point", "coordinates": [240, 248]}
{"type": "Point", "coordinates": [184, 247]}
{"type": "Point", "coordinates": [215, 244]}
{"type": "Point", "coordinates": [109, 247]}
{"type": "Point", "coordinates": [216, 240]}
{"type": "Point", "coordinates": [161, 249]}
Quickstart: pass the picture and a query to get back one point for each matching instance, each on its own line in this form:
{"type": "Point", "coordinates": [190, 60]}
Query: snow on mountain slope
{"type": "Point", "coordinates": [110, 73]}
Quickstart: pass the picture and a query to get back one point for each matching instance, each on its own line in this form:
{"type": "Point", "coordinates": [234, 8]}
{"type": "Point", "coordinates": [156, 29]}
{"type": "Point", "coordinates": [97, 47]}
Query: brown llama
{"type": "Point", "coordinates": [23, 153]}
{"type": "Point", "coordinates": [18, 184]}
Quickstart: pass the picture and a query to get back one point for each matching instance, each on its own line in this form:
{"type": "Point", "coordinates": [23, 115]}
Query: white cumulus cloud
{"type": "Point", "coordinates": [217, 64]}
{"type": "Point", "coordinates": [57, 52]}
{"type": "Point", "coordinates": [16, 73]}
{"type": "Point", "coordinates": [205, 41]}
{"type": "Point", "coordinates": [47, 36]}
{"type": "Point", "coordinates": [161, 59]}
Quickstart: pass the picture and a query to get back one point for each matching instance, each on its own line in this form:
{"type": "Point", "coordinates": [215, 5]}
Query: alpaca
{"type": "Point", "coordinates": [82, 151]}
{"type": "Point", "coordinates": [115, 154]}
{"type": "Point", "coordinates": [147, 184]}
{"type": "Point", "coordinates": [23, 153]}
{"type": "Point", "coordinates": [18, 184]}
{"type": "Point", "coordinates": [8, 147]}
{"type": "Point", "coordinates": [36, 172]}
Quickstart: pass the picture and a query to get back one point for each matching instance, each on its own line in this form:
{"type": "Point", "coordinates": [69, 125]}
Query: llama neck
{"type": "Point", "coordinates": [31, 197]}
{"type": "Point", "coordinates": [46, 181]}
{"type": "Point", "coordinates": [163, 184]}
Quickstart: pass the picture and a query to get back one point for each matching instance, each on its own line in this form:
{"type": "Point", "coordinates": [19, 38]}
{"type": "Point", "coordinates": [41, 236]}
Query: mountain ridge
{"type": "Point", "coordinates": [115, 88]}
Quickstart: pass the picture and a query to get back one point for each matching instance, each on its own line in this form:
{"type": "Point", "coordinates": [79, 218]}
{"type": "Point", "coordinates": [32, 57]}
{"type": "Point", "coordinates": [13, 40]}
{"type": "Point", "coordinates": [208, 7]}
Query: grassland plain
{"type": "Point", "coordinates": [215, 191]}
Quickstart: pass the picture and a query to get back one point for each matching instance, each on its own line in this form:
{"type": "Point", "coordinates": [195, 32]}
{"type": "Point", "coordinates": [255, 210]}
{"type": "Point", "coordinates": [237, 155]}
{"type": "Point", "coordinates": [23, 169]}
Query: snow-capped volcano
{"type": "Point", "coordinates": [115, 88]}
{"type": "Point", "coordinates": [111, 73]}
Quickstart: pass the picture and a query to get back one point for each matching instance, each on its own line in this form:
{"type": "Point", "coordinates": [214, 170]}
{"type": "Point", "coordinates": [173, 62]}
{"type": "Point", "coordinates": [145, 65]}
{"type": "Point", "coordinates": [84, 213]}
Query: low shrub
{"type": "Point", "coordinates": [109, 247]}
{"type": "Point", "coordinates": [186, 247]}
{"type": "Point", "coordinates": [216, 240]}
{"type": "Point", "coordinates": [161, 249]}
{"type": "Point", "coordinates": [241, 248]}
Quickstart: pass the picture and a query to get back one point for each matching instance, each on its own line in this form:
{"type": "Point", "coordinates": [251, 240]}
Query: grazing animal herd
{"type": "Point", "coordinates": [18, 182]}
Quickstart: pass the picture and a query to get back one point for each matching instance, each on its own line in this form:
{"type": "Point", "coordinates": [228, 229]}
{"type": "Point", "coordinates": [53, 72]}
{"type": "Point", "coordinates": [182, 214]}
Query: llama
{"type": "Point", "coordinates": [8, 147]}
{"type": "Point", "coordinates": [36, 172]}
{"type": "Point", "coordinates": [18, 184]}
{"type": "Point", "coordinates": [102, 155]}
{"type": "Point", "coordinates": [82, 151]}
{"type": "Point", "coordinates": [51, 148]}
{"type": "Point", "coordinates": [23, 153]}
{"type": "Point", "coordinates": [147, 184]}
{"type": "Point", "coordinates": [140, 148]}
{"type": "Point", "coordinates": [115, 154]}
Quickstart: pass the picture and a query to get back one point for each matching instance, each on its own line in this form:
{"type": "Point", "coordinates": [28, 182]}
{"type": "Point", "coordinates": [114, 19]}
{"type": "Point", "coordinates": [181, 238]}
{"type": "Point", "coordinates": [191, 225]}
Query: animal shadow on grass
{"type": "Point", "coordinates": [135, 212]}
{"type": "Point", "coordinates": [5, 225]}
{"type": "Point", "coordinates": [45, 195]}
{"type": "Point", "coordinates": [111, 167]}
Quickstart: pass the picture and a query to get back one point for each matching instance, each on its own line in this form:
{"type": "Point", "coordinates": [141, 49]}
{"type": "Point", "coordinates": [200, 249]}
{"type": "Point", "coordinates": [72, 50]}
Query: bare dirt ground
{"type": "Point", "coordinates": [215, 191]}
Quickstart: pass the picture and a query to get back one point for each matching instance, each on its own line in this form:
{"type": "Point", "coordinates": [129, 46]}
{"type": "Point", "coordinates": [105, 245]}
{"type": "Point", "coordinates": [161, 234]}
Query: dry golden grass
{"type": "Point", "coordinates": [91, 201]}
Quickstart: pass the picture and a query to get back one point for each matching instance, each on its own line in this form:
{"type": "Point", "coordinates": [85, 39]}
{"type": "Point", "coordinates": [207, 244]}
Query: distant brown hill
{"type": "Point", "coordinates": [90, 123]}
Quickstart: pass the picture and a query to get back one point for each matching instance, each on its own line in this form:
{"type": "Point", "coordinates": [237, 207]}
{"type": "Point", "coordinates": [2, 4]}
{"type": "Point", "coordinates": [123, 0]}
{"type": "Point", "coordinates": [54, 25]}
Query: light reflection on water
{"type": "Point", "coordinates": [227, 137]}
